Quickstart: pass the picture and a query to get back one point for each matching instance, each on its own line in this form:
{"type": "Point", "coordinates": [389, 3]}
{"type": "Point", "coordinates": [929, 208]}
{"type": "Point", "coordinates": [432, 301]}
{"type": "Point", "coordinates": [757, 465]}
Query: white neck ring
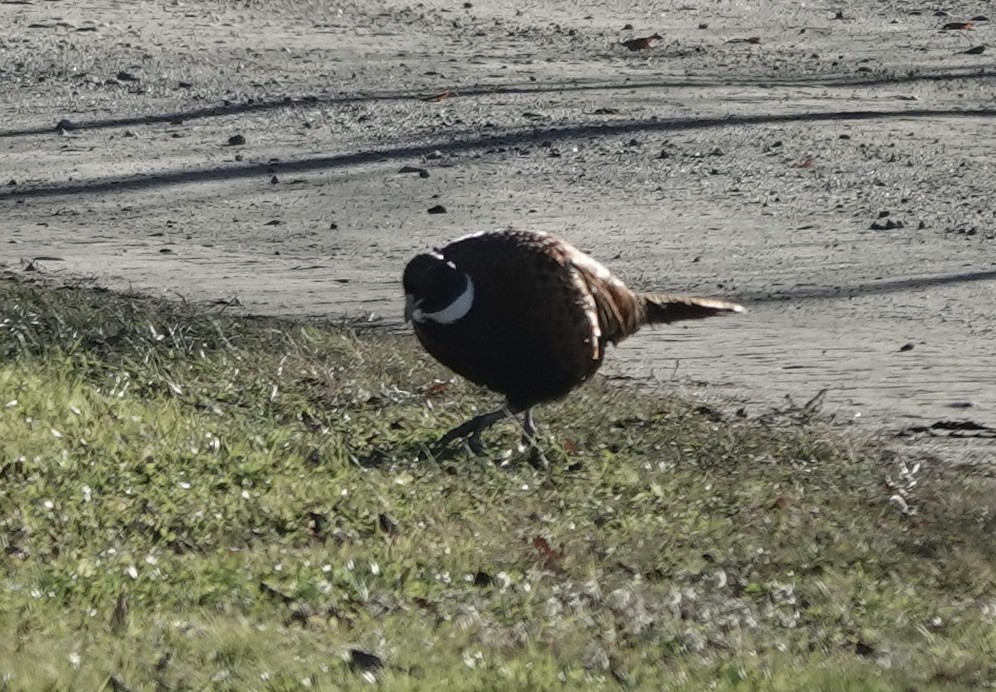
{"type": "Point", "coordinates": [456, 310]}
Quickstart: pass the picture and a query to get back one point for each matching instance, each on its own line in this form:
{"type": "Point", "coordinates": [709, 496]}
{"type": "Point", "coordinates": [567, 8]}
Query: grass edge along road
{"type": "Point", "coordinates": [194, 500]}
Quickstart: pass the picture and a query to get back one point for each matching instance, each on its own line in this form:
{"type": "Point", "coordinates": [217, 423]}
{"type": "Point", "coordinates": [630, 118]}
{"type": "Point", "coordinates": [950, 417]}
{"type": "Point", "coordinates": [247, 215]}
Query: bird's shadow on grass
{"type": "Point", "coordinates": [386, 454]}
{"type": "Point", "coordinates": [426, 449]}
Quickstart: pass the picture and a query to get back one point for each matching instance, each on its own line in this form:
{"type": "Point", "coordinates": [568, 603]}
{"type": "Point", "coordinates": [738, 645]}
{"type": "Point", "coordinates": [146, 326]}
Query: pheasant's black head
{"type": "Point", "coordinates": [435, 290]}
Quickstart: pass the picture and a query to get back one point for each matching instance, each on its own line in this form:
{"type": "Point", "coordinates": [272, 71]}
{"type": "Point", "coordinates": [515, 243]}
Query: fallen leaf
{"type": "Point", "coordinates": [441, 96]}
{"type": "Point", "coordinates": [387, 524]}
{"type": "Point", "coordinates": [550, 556]}
{"type": "Point", "coordinates": [642, 43]}
{"type": "Point", "coordinates": [363, 660]}
{"type": "Point", "coordinates": [436, 389]}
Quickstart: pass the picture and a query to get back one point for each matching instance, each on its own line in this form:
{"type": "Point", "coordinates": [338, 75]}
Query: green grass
{"type": "Point", "coordinates": [262, 497]}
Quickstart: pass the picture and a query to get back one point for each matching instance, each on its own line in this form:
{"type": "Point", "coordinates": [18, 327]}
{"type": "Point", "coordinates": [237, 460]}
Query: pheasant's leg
{"type": "Point", "coordinates": [536, 456]}
{"type": "Point", "coordinates": [474, 427]}
{"type": "Point", "coordinates": [528, 429]}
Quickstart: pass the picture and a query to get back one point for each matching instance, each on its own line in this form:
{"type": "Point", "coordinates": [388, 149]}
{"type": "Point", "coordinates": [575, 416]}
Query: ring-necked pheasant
{"type": "Point", "coordinates": [527, 315]}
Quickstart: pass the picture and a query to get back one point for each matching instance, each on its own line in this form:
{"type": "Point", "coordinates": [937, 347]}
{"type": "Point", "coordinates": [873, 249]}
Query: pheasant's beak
{"type": "Point", "coordinates": [409, 307]}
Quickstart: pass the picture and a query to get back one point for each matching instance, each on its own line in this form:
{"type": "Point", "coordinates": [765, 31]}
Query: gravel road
{"type": "Point", "coordinates": [831, 165]}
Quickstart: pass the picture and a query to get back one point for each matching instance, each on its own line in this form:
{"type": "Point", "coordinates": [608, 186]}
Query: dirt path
{"type": "Point", "coordinates": [754, 170]}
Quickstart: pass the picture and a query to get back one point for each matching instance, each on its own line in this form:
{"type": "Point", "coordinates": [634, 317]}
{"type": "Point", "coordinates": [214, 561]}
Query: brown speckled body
{"type": "Point", "coordinates": [542, 314]}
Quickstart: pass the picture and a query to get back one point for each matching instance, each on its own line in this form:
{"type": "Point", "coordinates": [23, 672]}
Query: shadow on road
{"type": "Point", "coordinates": [869, 288]}
{"type": "Point", "coordinates": [532, 88]}
{"type": "Point", "coordinates": [533, 134]}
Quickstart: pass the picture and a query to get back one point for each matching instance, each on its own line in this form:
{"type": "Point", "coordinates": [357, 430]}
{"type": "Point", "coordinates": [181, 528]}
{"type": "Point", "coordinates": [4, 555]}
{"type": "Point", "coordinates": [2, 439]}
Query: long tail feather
{"type": "Point", "coordinates": [664, 309]}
